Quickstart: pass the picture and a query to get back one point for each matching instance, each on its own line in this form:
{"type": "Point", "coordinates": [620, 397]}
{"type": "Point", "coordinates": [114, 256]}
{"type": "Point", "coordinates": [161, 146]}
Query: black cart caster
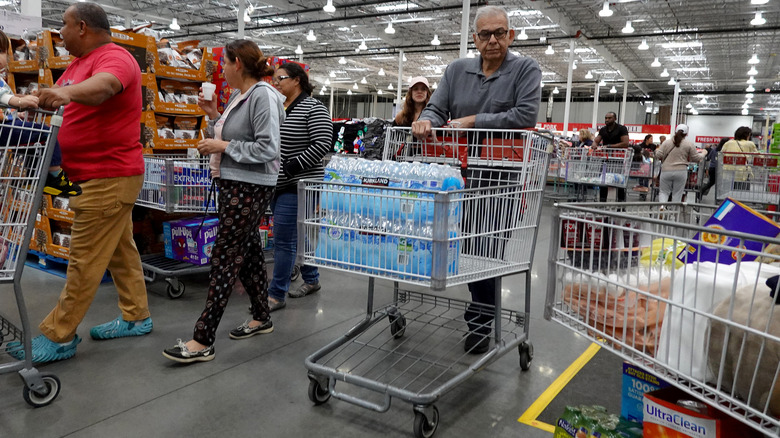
{"type": "Point", "coordinates": [317, 393]}
{"type": "Point", "coordinates": [39, 399]}
{"type": "Point", "coordinates": [526, 350]}
{"type": "Point", "coordinates": [175, 292]}
{"type": "Point", "coordinates": [425, 425]}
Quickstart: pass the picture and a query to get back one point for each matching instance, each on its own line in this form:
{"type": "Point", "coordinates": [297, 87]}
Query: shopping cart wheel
{"type": "Point", "coordinates": [317, 394]}
{"type": "Point", "coordinates": [177, 291]}
{"type": "Point", "coordinates": [425, 425]}
{"type": "Point", "coordinates": [526, 350]}
{"type": "Point", "coordinates": [397, 325]}
{"type": "Point", "coordinates": [295, 273]}
{"type": "Point", "coordinates": [36, 399]}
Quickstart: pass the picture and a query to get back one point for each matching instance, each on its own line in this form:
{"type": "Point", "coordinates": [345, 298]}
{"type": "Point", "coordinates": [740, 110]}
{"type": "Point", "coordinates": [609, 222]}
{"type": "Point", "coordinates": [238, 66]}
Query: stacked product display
{"type": "Point", "coordinates": [392, 205]}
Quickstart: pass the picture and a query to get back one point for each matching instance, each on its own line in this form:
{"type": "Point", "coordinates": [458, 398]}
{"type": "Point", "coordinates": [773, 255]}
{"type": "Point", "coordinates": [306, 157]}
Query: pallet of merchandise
{"type": "Point", "coordinates": [27, 65]}
{"type": "Point", "coordinates": [53, 265]}
{"type": "Point", "coordinates": [152, 102]}
{"type": "Point", "coordinates": [151, 138]}
{"type": "Point", "coordinates": [48, 41]}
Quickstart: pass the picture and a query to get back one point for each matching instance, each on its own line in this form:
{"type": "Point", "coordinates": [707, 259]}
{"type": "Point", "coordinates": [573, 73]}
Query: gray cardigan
{"type": "Point", "coordinates": [252, 129]}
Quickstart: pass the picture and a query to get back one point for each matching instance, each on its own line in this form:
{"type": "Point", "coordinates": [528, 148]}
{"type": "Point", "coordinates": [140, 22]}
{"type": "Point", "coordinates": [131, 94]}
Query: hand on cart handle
{"type": "Point", "coordinates": [208, 106]}
{"type": "Point", "coordinates": [25, 101]}
{"type": "Point", "coordinates": [422, 129]}
{"type": "Point", "coordinates": [53, 97]}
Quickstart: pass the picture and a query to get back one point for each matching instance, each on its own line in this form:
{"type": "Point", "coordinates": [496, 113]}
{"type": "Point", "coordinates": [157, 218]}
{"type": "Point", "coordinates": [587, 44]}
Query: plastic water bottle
{"type": "Point", "coordinates": [411, 207]}
{"type": "Point", "coordinates": [453, 248]}
{"type": "Point", "coordinates": [389, 243]}
{"type": "Point", "coordinates": [425, 251]}
{"type": "Point", "coordinates": [329, 243]}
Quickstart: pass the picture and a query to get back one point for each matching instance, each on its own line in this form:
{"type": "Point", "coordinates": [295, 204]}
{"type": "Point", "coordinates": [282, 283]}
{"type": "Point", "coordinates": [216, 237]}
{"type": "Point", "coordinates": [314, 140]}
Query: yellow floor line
{"type": "Point", "coordinates": [530, 415]}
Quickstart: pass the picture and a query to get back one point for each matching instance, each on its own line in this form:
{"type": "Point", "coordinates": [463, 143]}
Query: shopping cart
{"type": "Point", "coordinates": [175, 184]}
{"type": "Point", "coordinates": [639, 279]}
{"type": "Point", "coordinates": [694, 182]}
{"type": "Point", "coordinates": [556, 174]}
{"type": "Point", "coordinates": [748, 177]}
{"type": "Point", "coordinates": [604, 167]}
{"type": "Point", "coordinates": [429, 238]}
{"type": "Point", "coordinates": [25, 154]}
{"type": "Point", "coordinates": [647, 171]}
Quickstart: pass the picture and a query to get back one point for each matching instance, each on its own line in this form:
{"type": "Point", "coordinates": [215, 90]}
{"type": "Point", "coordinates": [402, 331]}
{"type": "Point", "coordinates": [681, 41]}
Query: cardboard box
{"type": "Point", "coordinates": [665, 417]}
{"type": "Point", "coordinates": [733, 216]}
{"type": "Point", "coordinates": [184, 242]}
{"type": "Point", "coordinates": [636, 383]}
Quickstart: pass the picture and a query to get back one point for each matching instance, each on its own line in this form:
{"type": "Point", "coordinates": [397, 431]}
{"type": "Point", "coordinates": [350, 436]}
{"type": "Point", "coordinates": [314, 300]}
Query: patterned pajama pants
{"type": "Point", "coordinates": [237, 253]}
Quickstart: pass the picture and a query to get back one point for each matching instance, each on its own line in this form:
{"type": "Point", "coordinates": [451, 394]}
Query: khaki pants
{"type": "Point", "coordinates": [101, 237]}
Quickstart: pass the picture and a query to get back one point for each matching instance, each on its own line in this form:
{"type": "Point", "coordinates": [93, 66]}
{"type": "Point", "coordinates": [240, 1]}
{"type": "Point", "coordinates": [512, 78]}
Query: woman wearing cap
{"type": "Point", "coordinates": [740, 143]}
{"type": "Point", "coordinates": [675, 154]}
{"type": "Point", "coordinates": [416, 99]}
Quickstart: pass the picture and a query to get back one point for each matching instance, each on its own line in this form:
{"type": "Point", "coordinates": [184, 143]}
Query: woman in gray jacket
{"type": "Point", "coordinates": [246, 139]}
{"type": "Point", "coordinates": [675, 154]}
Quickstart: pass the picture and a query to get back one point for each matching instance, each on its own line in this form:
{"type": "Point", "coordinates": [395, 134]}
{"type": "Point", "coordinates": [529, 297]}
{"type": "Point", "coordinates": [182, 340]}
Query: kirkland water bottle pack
{"type": "Point", "coordinates": [382, 220]}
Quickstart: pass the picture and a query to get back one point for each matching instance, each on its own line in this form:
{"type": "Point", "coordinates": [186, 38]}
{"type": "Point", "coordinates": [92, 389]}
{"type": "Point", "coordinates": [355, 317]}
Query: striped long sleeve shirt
{"type": "Point", "coordinates": [306, 133]}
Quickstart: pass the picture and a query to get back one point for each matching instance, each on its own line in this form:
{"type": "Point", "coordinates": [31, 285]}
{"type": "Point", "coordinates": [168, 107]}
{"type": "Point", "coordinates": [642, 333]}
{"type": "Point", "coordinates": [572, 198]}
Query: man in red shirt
{"type": "Point", "coordinates": [101, 91]}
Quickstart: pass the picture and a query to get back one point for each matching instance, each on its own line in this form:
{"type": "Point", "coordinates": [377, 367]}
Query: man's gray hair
{"type": "Point", "coordinates": [488, 11]}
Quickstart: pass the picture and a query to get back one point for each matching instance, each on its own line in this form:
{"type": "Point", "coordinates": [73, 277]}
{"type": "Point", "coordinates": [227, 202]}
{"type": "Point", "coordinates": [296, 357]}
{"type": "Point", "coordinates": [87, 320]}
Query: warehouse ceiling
{"type": "Point", "coordinates": [705, 45]}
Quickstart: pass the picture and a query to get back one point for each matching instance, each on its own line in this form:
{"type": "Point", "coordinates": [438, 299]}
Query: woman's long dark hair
{"type": "Point", "coordinates": [678, 138]}
{"type": "Point", "coordinates": [742, 133]}
{"type": "Point", "coordinates": [407, 113]}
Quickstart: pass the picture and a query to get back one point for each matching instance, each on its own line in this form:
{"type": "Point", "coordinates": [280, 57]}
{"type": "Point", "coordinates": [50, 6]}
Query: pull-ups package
{"type": "Point", "coordinates": [732, 216]}
{"type": "Point", "coordinates": [184, 241]}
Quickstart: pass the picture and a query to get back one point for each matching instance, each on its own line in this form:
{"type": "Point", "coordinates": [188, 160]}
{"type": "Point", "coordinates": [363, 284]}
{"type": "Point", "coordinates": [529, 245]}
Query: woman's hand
{"type": "Point", "coordinates": [208, 106]}
{"type": "Point", "coordinates": [211, 146]}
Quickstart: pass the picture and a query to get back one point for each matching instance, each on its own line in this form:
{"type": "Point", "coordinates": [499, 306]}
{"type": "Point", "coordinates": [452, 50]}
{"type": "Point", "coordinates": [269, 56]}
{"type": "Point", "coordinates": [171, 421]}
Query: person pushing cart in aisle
{"type": "Point", "coordinates": [495, 90]}
{"type": "Point", "coordinates": [101, 92]}
{"type": "Point", "coordinates": [612, 135]}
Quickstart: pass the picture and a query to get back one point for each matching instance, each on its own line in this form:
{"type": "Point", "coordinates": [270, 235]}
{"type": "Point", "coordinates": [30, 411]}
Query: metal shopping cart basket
{"type": "Point", "coordinates": [748, 177]}
{"type": "Point", "coordinates": [424, 237]}
{"type": "Point", "coordinates": [645, 170]}
{"type": "Point", "coordinates": [685, 301]}
{"type": "Point", "coordinates": [25, 153]}
{"type": "Point", "coordinates": [175, 184]}
{"type": "Point", "coordinates": [603, 167]}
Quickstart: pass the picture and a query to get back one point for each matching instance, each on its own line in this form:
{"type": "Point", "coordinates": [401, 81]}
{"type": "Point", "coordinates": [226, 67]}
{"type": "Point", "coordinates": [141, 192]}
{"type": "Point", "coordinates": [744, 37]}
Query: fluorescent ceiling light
{"type": "Point", "coordinates": [549, 50]}
{"type": "Point", "coordinates": [298, 50]}
{"type": "Point", "coordinates": [759, 2]}
{"type": "Point", "coordinates": [605, 11]}
{"type": "Point", "coordinates": [580, 50]}
{"type": "Point", "coordinates": [311, 36]}
{"type": "Point", "coordinates": [280, 32]}
{"type": "Point", "coordinates": [744, 105]}
{"type": "Point", "coordinates": [692, 69]}
{"type": "Point", "coordinates": [681, 45]}
{"type": "Point", "coordinates": [555, 91]}
{"type": "Point", "coordinates": [470, 54]}
{"type": "Point", "coordinates": [644, 45]}
{"type": "Point", "coordinates": [344, 29]}
{"type": "Point", "coordinates": [363, 81]}
{"type": "Point", "coordinates": [381, 58]}
{"type": "Point", "coordinates": [628, 28]}
{"type": "Point", "coordinates": [686, 58]}
{"type": "Point", "coordinates": [758, 20]}
{"type": "Point", "coordinates": [671, 81]}
{"type": "Point", "coordinates": [390, 87]}
{"type": "Point", "coordinates": [751, 80]}
{"type": "Point", "coordinates": [435, 41]}
{"type": "Point", "coordinates": [362, 45]}
{"type": "Point", "coordinates": [381, 72]}
{"type": "Point", "coordinates": [750, 89]}
{"type": "Point", "coordinates": [342, 60]}
{"type": "Point", "coordinates": [664, 73]}
{"type": "Point", "coordinates": [431, 57]}
{"type": "Point", "coordinates": [522, 35]}
{"type": "Point", "coordinates": [749, 96]}
{"type": "Point", "coordinates": [389, 29]}
{"type": "Point", "coordinates": [435, 85]}
{"type": "Point", "coordinates": [174, 24]}
{"type": "Point", "coordinates": [355, 87]}
{"type": "Point", "coordinates": [754, 60]}
{"type": "Point", "coordinates": [349, 92]}
{"type": "Point", "coordinates": [589, 75]}
{"type": "Point", "coordinates": [525, 13]}
{"type": "Point", "coordinates": [322, 92]}
{"type": "Point", "coordinates": [379, 91]}
{"type": "Point", "coordinates": [689, 106]}
{"type": "Point", "coordinates": [357, 69]}
{"type": "Point", "coordinates": [400, 6]}
{"type": "Point", "coordinates": [329, 8]}
{"type": "Point", "coordinates": [613, 90]}
{"type": "Point", "coordinates": [752, 71]}
{"type": "Point", "coordinates": [744, 112]}
{"type": "Point", "coordinates": [602, 83]}
{"type": "Point", "coordinates": [327, 82]}
{"type": "Point", "coordinates": [332, 74]}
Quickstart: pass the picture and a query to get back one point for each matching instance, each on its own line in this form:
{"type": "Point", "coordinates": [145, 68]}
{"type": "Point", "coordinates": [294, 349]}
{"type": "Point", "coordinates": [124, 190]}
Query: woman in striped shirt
{"type": "Point", "coordinates": [307, 135]}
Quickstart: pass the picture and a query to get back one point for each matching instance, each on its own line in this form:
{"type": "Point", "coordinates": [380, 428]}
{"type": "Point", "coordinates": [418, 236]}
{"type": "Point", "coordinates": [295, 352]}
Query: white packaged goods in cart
{"type": "Point", "coordinates": [706, 328]}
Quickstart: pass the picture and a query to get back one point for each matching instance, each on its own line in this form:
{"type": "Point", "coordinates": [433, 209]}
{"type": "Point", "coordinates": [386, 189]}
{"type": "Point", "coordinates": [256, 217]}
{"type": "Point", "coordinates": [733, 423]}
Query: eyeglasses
{"type": "Point", "coordinates": [485, 35]}
{"type": "Point", "coordinates": [279, 79]}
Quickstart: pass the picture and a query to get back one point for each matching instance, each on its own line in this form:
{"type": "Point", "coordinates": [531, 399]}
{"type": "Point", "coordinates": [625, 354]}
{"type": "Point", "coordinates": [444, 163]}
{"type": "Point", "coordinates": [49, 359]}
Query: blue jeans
{"type": "Point", "coordinates": [285, 209]}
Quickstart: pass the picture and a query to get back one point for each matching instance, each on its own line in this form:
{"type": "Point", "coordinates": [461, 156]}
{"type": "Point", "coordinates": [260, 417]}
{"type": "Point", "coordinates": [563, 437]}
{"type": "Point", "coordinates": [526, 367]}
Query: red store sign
{"type": "Point", "coordinates": [707, 140]}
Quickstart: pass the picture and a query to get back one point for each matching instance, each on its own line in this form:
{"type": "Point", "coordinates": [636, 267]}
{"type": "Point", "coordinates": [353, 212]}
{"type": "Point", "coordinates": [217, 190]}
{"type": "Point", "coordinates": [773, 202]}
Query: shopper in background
{"type": "Point", "coordinates": [246, 136]}
{"type": "Point", "coordinates": [661, 140]}
{"type": "Point", "coordinates": [675, 154]}
{"type": "Point", "coordinates": [416, 99]}
{"type": "Point", "coordinates": [586, 138]}
{"type": "Point", "coordinates": [496, 90]}
{"type": "Point", "coordinates": [711, 161]}
{"type": "Point", "coordinates": [99, 136]}
{"type": "Point", "coordinates": [306, 136]}
{"type": "Point", "coordinates": [639, 160]}
{"type": "Point", "coordinates": [57, 183]}
{"type": "Point", "coordinates": [740, 143]}
{"type": "Point", "coordinates": [612, 135]}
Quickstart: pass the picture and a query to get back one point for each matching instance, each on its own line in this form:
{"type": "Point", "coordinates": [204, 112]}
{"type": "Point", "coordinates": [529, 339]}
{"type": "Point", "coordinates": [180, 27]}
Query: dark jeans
{"type": "Point", "coordinates": [12, 134]}
{"type": "Point", "coordinates": [713, 172]}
